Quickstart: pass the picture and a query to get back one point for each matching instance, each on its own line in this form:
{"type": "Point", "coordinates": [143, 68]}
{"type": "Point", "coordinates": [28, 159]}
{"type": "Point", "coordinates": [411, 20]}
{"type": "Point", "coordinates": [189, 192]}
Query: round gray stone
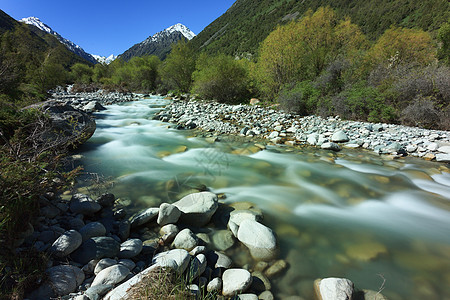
{"type": "Point", "coordinates": [130, 248]}
{"type": "Point", "coordinates": [83, 204]}
{"type": "Point", "coordinates": [235, 281]}
{"type": "Point", "coordinates": [111, 275]}
{"type": "Point", "coordinates": [92, 229]}
{"type": "Point", "coordinates": [168, 214]}
{"type": "Point", "coordinates": [197, 208]}
{"type": "Point", "coordinates": [258, 238]}
{"type": "Point", "coordinates": [67, 243]}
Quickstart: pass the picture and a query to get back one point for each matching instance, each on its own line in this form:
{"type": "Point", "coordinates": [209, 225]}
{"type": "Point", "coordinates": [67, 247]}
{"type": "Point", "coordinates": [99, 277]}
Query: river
{"type": "Point", "coordinates": [382, 223]}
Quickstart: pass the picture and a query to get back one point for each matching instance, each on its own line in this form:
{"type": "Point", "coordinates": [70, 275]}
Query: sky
{"type": "Point", "coordinates": [111, 27]}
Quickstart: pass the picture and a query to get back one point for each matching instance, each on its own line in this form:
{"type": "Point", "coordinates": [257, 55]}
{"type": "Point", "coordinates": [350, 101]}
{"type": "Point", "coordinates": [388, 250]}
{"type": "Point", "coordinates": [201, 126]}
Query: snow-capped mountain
{"type": "Point", "coordinates": [160, 43]}
{"type": "Point", "coordinates": [104, 59]}
{"type": "Point", "coordinates": [69, 44]}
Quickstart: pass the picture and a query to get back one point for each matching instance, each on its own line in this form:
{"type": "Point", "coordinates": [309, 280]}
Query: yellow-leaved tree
{"type": "Point", "coordinates": [302, 49]}
{"type": "Point", "coordinates": [400, 46]}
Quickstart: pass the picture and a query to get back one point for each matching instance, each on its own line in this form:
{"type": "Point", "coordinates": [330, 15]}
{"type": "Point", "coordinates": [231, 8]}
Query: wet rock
{"type": "Point", "coordinates": [333, 289]}
{"type": "Point", "coordinates": [365, 251]}
{"type": "Point", "coordinates": [93, 106]}
{"type": "Point", "coordinates": [258, 238]}
{"type": "Point", "coordinates": [106, 200]}
{"type": "Point", "coordinates": [66, 243]}
{"type": "Point", "coordinates": [130, 248]}
{"type": "Point", "coordinates": [144, 217]}
{"type": "Point", "coordinates": [260, 283]}
{"type": "Point", "coordinates": [83, 204]}
{"type": "Point", "coordinates": [168, 214]}
{"type": "Point", "coordinates": [235, 281]}
{"type": "Point", "coordinates": [185, 239]}
{"type": "Point", "coordinates": [276, 268]}
{"type": "Point", "coordinates": [197, 208]}
{"type": "Point", "coordinates": [124, 230]}
{"type": "Point", "coordinates": [330, 146]}
{"type": "Point", "coordinates": [222, 240]}
{"type": "Point", "coordinates": [111, 275]}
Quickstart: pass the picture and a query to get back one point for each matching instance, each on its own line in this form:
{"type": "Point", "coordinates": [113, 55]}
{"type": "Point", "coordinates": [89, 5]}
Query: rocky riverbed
{"type": "Point", "coordinates": [98, 251]}
{"type": "Point", "coordinates": [331, 133]}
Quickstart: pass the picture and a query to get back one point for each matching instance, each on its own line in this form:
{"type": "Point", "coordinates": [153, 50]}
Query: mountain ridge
{"type": "Point", "coordinates": [160, 43]}
{"type": "Point", "coordinates": [242, 28]}
{"type": "Point", "coordinates": [78, 50]}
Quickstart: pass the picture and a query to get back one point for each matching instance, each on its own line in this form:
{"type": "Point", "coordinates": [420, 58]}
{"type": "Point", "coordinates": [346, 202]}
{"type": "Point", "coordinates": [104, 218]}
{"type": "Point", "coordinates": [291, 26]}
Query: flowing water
{"type": "Point", "coordinates": [382, 223]}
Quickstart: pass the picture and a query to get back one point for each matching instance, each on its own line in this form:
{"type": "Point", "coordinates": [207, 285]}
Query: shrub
{"type": "Point", "coordinates": [422, 112]}
{"type": "Point", "coordinates": [368, 103]}
{"type": "Point", "coordinates": [222, 78]}
{"type": "Point", "coordinates": [300, 99]}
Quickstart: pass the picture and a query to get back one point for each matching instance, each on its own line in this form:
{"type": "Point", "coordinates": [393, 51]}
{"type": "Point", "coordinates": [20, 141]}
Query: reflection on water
{"type": "Point", "coordinates": [352, 214]}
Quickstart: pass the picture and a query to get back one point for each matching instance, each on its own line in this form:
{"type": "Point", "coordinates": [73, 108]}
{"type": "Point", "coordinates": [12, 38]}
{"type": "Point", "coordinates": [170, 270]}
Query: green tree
{"type": "Point", "coordinates": [177, 69]}
{"type": "Point", "coordinates": [444, 38]}
{"type": "Point", "coordinates": [82, 73]}
{"type": "Point", "coordinates": [220, 77]}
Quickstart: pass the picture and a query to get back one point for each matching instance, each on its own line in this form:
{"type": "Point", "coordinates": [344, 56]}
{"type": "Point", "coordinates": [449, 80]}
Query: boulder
{"type": "Point", "coordinates": [92, 229]}
{"type": "Point", "coordinates": [443, 157]}
{"type": "Point", "coordinates": [144, 216]}
{"type": "Point", "coordinates": [168, 214]}
{"type": "Point", "coordinates": [121, 291]}
{"type": "Point", "coordinates": [222, 240]}
{"type": "Point", "coordinates": [339, 137]}
{"type": "Point", "coordinates": [178, 259]}
{"type": "Point", "coordinates": [61, 280]}
{"type": "Point", "coordinates": [93, 106]}
{"type": "Point", "coordinates": [83, 204]}
{"type": "Point", "coordinates": [198, 208]}
{"type": "Point", "coordinates": [106, 200]}
{"type": "Point", "coordinates": [215, 285]}
{"type": "Point", "coordinates": [258, 238]}
{"type": "Point", "coordinates": [111, 275]}
{"type": "Point", "coordinates": [68, 128]}
{"type": "Point", "coordinates": [66, 243]}
{"type": "Point", "coordinates": [130, 248]}
{"type": "Point", "coordinates": [235, 281]}
{"type": "Point", "coordinates": [185, 239]}
{"type": "Point", "coordinates": [103, 264]}
{"type": "Point", "coordinates": [330, 146]}
{"type": "Point", "coordinates": [333, 289]}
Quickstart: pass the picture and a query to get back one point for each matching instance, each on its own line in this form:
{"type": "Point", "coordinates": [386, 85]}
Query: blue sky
{"type": "Point", "coordinates": [111, 27]}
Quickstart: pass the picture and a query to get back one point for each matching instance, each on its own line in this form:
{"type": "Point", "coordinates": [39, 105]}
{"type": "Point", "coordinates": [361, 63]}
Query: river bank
{"type": "Point", "coordinates": [332, 133]}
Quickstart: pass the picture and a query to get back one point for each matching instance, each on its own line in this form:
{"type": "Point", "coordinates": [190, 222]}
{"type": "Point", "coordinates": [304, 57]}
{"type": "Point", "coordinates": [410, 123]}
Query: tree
{"type": "Point", "coordinates": [82, 73]}
{"type": "Point", "coordinates": [301, 50]}
{"type": "Point", "coordinates": [401, 46]}
{"type": "Point", "coordinates": [177, 69]}
{"type": "Point", "coordinates": [220, 77]}
{"type": "Point", "coordinates": [444, 38]}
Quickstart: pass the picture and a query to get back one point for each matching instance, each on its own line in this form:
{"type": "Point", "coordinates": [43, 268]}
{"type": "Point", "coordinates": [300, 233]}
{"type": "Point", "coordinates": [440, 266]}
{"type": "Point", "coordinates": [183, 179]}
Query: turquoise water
{"type": "Point", "coordinates": [352, 214]}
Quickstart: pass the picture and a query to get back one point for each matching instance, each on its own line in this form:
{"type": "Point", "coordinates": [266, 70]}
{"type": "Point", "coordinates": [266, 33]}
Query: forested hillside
{"type": "Point", "coordinates": [247, 23]}
{"type": "Point", "coordinates": [31, 62]}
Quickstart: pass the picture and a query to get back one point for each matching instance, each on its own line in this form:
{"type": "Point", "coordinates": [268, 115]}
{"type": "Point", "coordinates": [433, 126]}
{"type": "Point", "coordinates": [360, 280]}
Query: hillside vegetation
{"type": "Point", "coordinates": [247, 23]}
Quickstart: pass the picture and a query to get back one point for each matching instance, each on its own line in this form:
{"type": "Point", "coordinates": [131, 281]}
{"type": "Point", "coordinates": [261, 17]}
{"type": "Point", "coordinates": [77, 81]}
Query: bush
{"type": "Point", "coordinates": [367, 103]}
{"type": "Point", "coordinates": [221, 78]}
{"type": "Point", "coordinates": [300, 99]}
{"type": "Point", "coordinates": [422, 112]}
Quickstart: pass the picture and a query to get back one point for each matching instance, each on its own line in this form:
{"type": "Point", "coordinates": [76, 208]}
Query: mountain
{"type": "Point", "coordinates": [69, 44]}
{"type": "Point", "coordinates": [247, 23]}
{"type": "Point", "coordinates": [160, 43]}
{"type": "Point", "coordinates": [104, 59]}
